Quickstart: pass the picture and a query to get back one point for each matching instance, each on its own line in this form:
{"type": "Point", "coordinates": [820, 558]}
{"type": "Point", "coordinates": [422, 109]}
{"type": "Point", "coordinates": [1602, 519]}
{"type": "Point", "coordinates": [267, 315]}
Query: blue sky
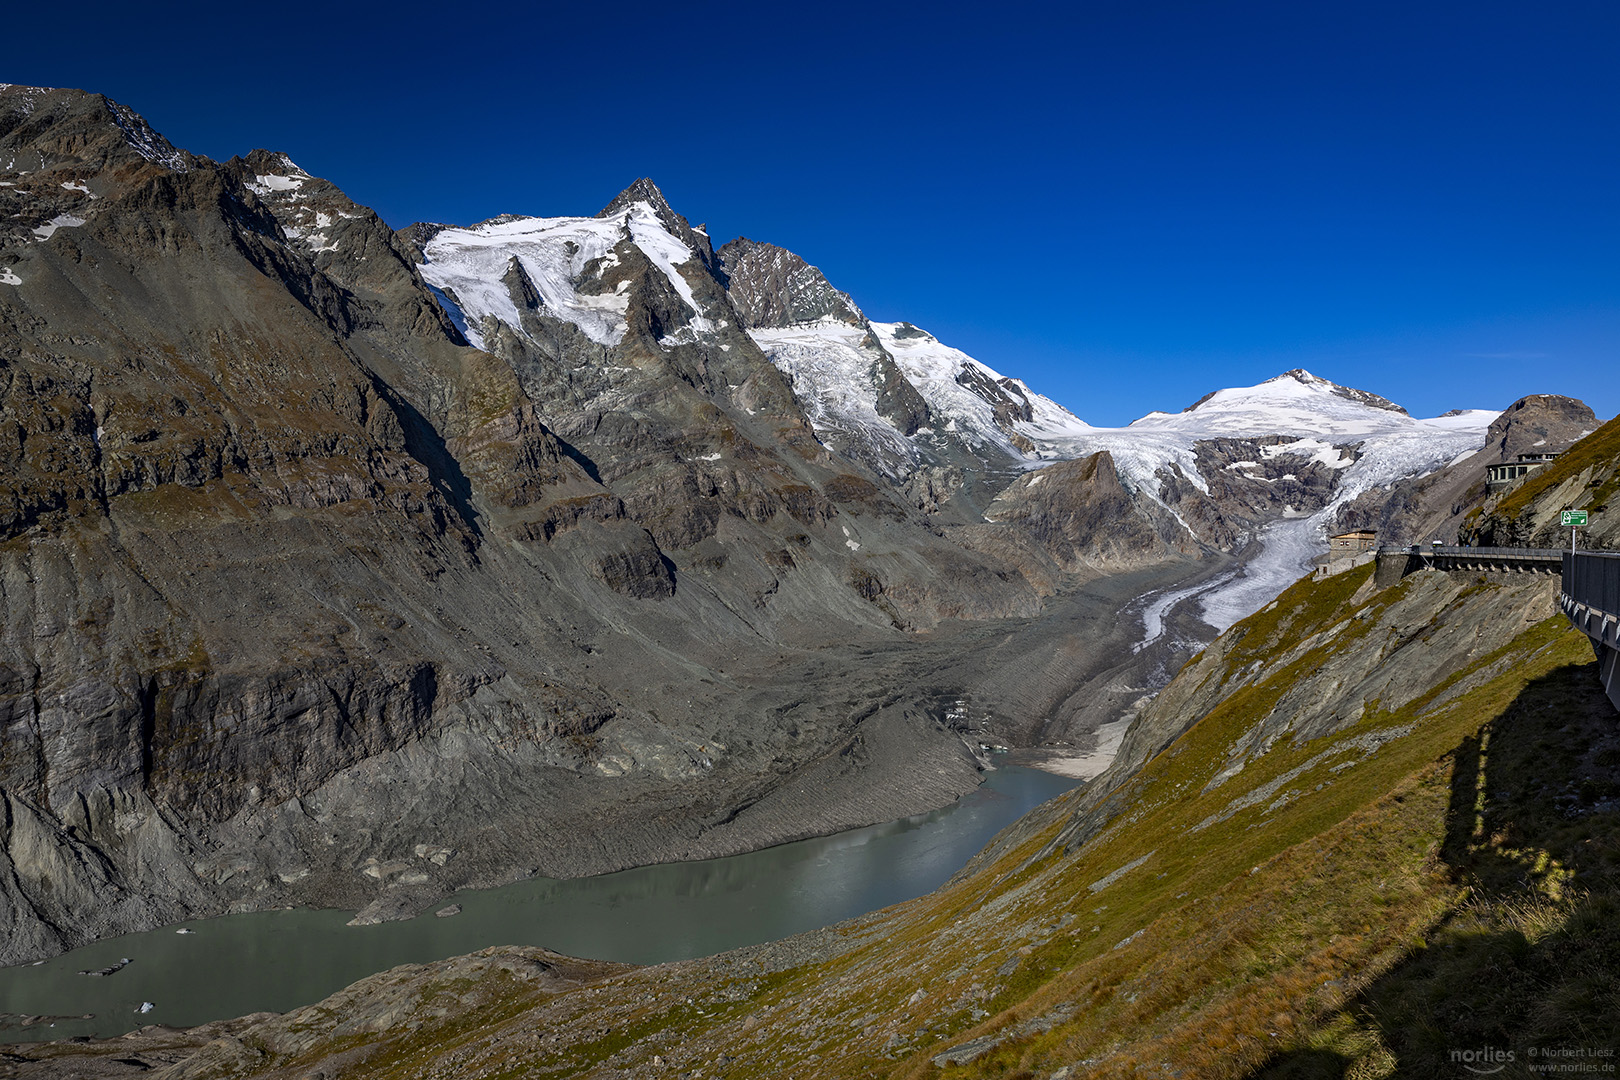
{"type": "Point", "coordinates": [1126, 204]}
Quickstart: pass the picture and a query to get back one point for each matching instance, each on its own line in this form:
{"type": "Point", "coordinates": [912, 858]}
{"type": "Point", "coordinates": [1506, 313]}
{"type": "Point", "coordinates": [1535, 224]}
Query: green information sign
{"type": "Point", "coordinates": [1572, 518]}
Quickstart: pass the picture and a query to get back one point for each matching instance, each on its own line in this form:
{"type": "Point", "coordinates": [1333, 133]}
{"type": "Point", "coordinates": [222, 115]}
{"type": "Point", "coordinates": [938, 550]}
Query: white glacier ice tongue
{"type": "Point", "coordinates": [1323, 422]}
{"type": "Point", "coordinates": [471, 264]}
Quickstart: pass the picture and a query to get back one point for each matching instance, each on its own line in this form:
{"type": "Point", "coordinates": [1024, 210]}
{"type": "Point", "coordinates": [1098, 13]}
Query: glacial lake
{"type": "Point", "coordinates": [281, 960]}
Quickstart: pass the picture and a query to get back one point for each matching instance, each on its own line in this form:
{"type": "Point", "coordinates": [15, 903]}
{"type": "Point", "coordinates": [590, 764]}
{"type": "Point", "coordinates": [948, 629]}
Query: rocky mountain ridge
{"type": "Point", "coordinates": [294, 582]}
{"type": "Point", "coordinates": [321, 543]}
{"type": "Point", "coordinates": [937, 424]}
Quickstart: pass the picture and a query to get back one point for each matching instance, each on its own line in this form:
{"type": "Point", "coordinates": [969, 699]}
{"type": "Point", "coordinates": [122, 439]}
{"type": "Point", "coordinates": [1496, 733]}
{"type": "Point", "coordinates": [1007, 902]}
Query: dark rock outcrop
{"type": "Point", "coordinates": [771, 286]}
{"type": "Point", "coordinates": [1584, 477]}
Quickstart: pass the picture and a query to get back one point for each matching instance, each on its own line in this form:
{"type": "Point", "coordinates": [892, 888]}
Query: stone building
{"type": "Point", "coordinates": [1351, 543]}
{"type": "Point", "coordinates": [1348, 550]}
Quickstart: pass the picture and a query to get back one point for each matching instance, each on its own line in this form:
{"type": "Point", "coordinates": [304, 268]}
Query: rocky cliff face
{"type": "Point", "coordinates": [772, 287]}
{"type": "Point", "coordinates": [1585, 477]}
{"type": "Point", "coordinates": [272, 535]}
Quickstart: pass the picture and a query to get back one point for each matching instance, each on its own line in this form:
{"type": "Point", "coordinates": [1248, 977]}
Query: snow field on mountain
{"type": "Point", "coordinates": [666, 252]}
{"type": "Point", "coordinates": [264, 183]}
{"type": "Point", "coordinates": [832, 378]}
{"type": "Point", "coordinates": [1391, 444]}
{"type": "Point", "coordinates": [1312, 450]}
{"type": "Point", "coordinates": [932, 367]}
{"type": "Point", "coordinates": [472, 263]}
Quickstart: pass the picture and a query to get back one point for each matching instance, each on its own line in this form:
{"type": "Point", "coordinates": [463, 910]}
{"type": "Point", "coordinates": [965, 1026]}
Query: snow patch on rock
{"type": "Point", "coordinates": [60, 221]}
{"type": "Point", "coordinates": [471, 263]}
{"type": "Point", "coordinates": [265, 183]}
{"type": "Point", "coordinates": [831, 365]}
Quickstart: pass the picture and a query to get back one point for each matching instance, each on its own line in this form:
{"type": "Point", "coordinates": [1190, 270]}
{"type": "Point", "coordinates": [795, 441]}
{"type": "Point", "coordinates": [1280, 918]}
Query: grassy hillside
{"type": "Point", "coordinates": [1391, 836]}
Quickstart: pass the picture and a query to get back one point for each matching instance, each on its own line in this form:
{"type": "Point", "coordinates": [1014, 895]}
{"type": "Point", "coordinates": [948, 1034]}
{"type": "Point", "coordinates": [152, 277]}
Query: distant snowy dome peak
{"type": "Point", "coordinates": [1295, 385]}
{"type": "Point", "coordinates": [1293, 401]}
{"type": "Point", "coordinates": [1317, 383]}
{"type": "Point", "coordinates": [1309, 443]}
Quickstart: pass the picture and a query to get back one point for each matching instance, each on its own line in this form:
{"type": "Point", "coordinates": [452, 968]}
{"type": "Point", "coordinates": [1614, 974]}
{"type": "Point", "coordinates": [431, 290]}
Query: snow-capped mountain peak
{"type": "Point", "coordinates": [1290, 389]}
{"type": "Point", "coordinates": [1284, 454]}
{"type": "Point", "coordinates": [564, 259]}
{"type": "Point", "coordinates": [647, 192]}
{"type": "Point", "coordinates": [1291, 449]}
{"type": "Point", "coordinates": [1325, 420]}
{"type": "Point", "coordinates": [1295, 400]}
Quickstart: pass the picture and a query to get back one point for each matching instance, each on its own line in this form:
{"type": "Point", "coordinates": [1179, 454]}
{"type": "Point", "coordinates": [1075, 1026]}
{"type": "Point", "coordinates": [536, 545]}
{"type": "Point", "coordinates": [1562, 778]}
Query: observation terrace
{"type": "Point", "coordinates": [1590, 597]}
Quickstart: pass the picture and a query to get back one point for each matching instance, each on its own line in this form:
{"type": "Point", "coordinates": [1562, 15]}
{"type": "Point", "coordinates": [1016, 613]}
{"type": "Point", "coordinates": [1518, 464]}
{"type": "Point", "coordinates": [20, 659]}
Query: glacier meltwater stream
{"type": "Point", "coordinates": [280, 960]}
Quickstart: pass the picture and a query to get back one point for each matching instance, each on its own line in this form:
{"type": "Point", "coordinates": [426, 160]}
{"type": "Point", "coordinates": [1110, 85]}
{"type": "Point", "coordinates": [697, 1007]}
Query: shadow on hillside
{"type": "Point", "coordinates": [1532, 960]}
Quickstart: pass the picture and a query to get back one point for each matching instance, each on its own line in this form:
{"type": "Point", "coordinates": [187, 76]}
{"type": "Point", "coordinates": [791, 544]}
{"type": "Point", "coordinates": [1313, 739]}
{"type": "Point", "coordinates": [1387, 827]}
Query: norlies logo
{"type": "Point", "coordinates": [1484, 1061]}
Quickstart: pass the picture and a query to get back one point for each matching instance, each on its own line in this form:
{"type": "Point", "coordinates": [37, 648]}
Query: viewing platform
{"type": "Point", "coordinates": [1589, 592]}
{"type": "Point", "coordinates": [1396, 563]}
{"type": "Point", "coordinates": [1590, 597]}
